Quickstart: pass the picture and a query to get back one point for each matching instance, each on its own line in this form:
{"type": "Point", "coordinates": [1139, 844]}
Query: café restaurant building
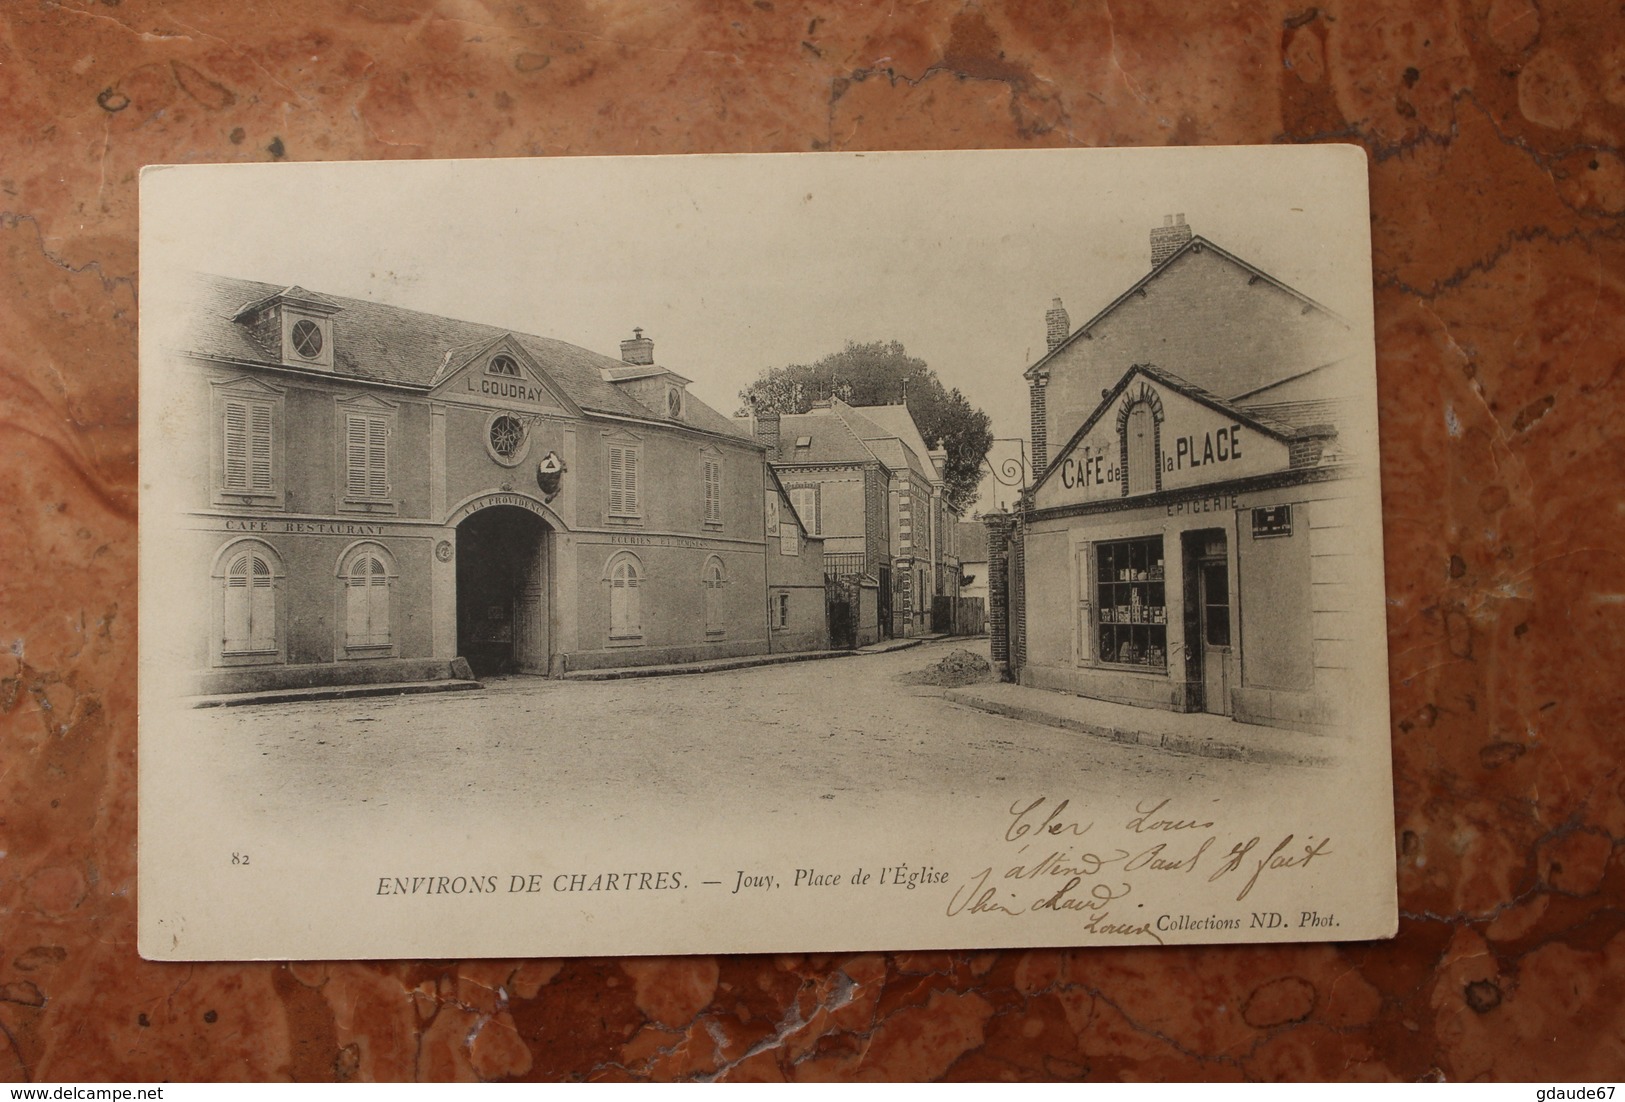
{"type": "Point", "coordinates": [1183, 553]}
{"type": "Point", "coordinates": [1194, 542]}
{"type": "Point", "coordinates": [366, 493]}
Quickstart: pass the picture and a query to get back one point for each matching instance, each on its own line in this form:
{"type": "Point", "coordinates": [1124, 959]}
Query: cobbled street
{"type": "Point", "coordinates": [845, 734]}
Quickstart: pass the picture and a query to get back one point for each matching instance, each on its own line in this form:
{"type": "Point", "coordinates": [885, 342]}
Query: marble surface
{"type": "Point", "coordinates": [1495, 130]}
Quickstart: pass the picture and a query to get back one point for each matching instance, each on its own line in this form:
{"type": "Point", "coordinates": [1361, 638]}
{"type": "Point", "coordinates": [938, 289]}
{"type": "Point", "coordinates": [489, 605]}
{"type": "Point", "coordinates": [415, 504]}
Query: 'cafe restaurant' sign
{"type": "Point", "coordinates": [1193, 443]}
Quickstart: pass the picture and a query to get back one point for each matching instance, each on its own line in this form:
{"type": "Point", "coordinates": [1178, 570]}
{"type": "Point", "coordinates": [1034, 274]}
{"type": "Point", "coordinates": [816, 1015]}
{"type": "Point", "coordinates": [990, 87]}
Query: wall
{"type": "Point", "coordinates": [1051, 595]}
{"type": "Point", "coordinates": [1274, 591]}
{"type": "Point", "coordinates": [671, 600]}
{"type": "Point", "coordinates": [801, 578]}
{"type": "Point", "coordinates": [1204, 321]}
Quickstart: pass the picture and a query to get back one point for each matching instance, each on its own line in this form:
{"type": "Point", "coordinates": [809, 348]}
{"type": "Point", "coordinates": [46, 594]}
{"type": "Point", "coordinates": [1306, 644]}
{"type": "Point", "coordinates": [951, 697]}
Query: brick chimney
{"type": "Point", "coordinates": [1056, 324]}
{"type": "Point", "coordinates": [638, 350]}
{"type": "Point", "coordinates": [1168, 238]}
{"type": "Point", "coordinates": [767, 432]}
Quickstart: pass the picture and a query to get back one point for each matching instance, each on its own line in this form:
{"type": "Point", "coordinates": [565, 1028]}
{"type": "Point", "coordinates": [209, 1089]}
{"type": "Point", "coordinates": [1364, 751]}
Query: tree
{"type": "Point", "coordinates": [879, 373]}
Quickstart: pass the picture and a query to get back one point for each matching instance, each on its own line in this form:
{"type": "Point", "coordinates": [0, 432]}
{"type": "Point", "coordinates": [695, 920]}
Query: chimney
{"type": "Point", "coordinates": [1168, 238]}
{"type": "Point", "coordinates": [639, 350]}
{"type": "Point", "coordinates": [767, 432]}
{"type": "Point", "coordinates": [1056, 324]}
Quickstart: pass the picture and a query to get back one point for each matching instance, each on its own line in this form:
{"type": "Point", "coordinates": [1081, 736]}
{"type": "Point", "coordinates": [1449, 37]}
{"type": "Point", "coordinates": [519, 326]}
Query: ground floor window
{"type": "Point", "coordinates": [365, 574]}
{"type": "Point", "coordinates": [249, 575]}
{"type": "Point", "coordinates": [625, 611]}
{"type": "Point", "coordinates": [781, 611]}
{"type": "Point", "coordinates": [250, 607]}
{"type": "Point", "coordinates": [712, 580]}
{"type": "Point", "coordinates": [1131, 599]}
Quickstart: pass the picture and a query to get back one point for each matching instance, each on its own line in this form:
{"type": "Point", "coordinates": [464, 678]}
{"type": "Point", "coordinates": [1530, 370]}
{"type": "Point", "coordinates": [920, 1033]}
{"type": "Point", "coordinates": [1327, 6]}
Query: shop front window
{"type": "Point", "coordinates": [1131, 596]}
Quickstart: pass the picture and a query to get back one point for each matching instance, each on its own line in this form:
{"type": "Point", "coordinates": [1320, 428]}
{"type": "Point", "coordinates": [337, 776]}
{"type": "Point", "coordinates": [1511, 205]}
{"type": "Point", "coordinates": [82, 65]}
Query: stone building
{"type": "Point", "coordinates": [1186, 544]}
{"type": "Point", "coordinates": [367, 493]}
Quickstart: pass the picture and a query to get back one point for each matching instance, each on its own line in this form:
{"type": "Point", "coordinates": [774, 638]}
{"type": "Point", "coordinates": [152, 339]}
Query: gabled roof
{"type": "Point", "coordinates": [622, 372]}
{"type": "Point", "coordinates": [788, 505]}
{"type": "Point", "coordinates": [295, 294]}
{"type": "Point", "coordinates": [830, 440]}
{"type": "Point", "coordinates": [471, 354]}
{"type": "Point", "coordinates": [1268, 426]}
{"type": "Point", "coordinates": [390, 344]}
{"type": "Point", "coordinates": [896, 424]}
{"type": "Point", "coordinates": [1196, 244]}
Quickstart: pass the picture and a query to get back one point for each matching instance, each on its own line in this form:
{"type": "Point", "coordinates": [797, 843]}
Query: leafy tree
{"type": "Point", "coordinates": [879, 373]}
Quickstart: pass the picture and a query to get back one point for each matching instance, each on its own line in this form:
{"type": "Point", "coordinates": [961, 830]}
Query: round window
{"type": "Point", "coordinates": [674, 402]}
{"type": "Point", "coordinates": [307, 339]}
{"type": "Point", "coordinates": [504, 365]}
{"type": "Point", "coordinates": [507, 436]}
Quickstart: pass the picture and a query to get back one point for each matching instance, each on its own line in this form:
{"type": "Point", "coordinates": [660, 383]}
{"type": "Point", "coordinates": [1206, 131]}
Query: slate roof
{"type": "Point", "coordinates": [391, 344]}
{"type": "Point", "coordinates": [831, 440]}
{"type": "Point", "coordinates": [892, 433]}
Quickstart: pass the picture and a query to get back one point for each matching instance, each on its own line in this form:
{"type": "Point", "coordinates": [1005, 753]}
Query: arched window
{"type": "Point", "coordinates": [366, 619]}
{"type": "Point", "coordinates": [249, 575]}
{"type": "Point", "coordinates": [366, 571]}
{"type": "Point", "coordinates": [712, 579]}
{"type": "Point", "coordinates": [1141, 433]}
{"type": "Point", "coordinates": [625, 577]}
{"type": "Point", "coordinates": [250, 607]}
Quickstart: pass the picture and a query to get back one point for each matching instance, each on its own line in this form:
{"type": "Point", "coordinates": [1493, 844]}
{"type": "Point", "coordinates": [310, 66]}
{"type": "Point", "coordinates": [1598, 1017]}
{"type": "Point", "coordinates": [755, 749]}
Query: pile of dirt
{"type": "Point", "coordinates": [960, 667]}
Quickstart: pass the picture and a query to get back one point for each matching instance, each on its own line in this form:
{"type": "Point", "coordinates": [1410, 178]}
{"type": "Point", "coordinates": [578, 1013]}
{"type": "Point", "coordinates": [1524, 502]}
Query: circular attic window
{"type": "Point", "coordinates": [307, 339]}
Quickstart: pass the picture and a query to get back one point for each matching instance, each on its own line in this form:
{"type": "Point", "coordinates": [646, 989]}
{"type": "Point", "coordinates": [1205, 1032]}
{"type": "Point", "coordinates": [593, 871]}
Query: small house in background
{"type": "Point", "coordinates": [863, 479]}
{"type": "Point", "coordinates": [970, 538]}
{"type": "Point", "coordinates": [797, 608]}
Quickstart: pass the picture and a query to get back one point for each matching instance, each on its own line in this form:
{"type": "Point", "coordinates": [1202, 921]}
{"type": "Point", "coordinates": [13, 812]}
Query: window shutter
{"type": "Point", "coordinates": [262, 610]}
{"type": "Point", "coordinates": [713, 489]}
{"type": "Point", "coordinates": [617, 481]}
{"type": "Point", "coordinates": [355, 450]}
{"type": "Point", "coordinates": [235, 635]}
{"type": "Point", "coordinates": [378, 458]}
{"type": "Point", "coordinates": [355, 606]}
{"type": "Point", "coordinates": [631, 481]}
{"type": "Point", "coordinates": [236, 445]}
{"type": "Point", "coordinates": [259, 449]}
{"type": "Point", "coordinates": [378, 608]}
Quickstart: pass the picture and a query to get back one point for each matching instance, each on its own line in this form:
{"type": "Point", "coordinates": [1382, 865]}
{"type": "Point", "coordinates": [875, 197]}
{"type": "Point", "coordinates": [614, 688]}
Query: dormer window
{"type": "Point", "coordinates": [294, 326]}
{"type": "Point", "coordinates": [505, 366]}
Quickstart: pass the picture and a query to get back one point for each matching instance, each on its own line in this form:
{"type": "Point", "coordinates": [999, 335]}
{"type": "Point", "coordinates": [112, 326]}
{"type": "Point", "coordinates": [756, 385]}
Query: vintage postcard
{"type": "Point", "coordinates": [761, 553]}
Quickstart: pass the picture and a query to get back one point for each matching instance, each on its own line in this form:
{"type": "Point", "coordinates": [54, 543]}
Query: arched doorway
{"type": "Point", "coordinates": [502, 591]}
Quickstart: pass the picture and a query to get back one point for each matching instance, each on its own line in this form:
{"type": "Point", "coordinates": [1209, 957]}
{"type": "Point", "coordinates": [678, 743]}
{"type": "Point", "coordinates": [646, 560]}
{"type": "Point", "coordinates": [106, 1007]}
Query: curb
{"type": "Point", "coordinates": [745, 662]}
{"type": "Point", "coordinates": [1176, 743]}
{"type": "Point", "coordinates": [333, 692]}
{"type": "Point", "coordinates": [621, 673]}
